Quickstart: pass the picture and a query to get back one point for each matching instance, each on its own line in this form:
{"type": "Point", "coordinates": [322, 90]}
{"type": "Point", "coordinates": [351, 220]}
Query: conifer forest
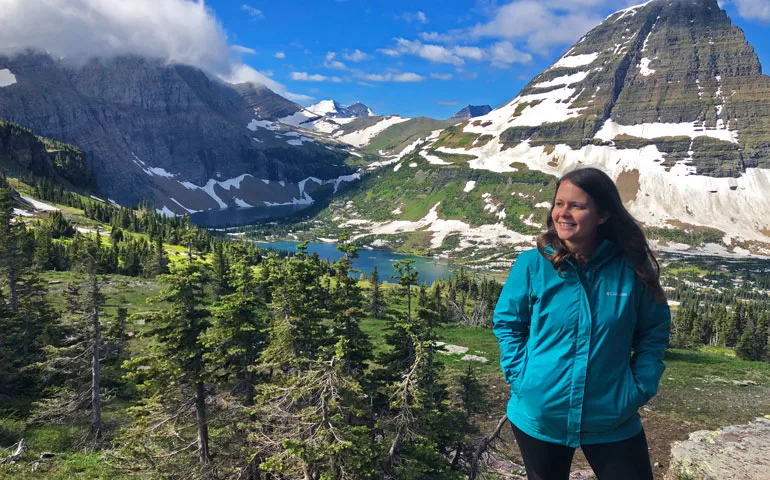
{"type": "Point", "coordinates": [249, 364]}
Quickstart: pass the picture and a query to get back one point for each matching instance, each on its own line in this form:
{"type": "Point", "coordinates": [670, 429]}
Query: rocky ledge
{"type": "Point", "coordinates": [740, 452]}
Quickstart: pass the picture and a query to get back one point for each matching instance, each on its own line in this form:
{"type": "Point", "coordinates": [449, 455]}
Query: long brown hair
{"type": "Point", "coordinates": [620, 228]}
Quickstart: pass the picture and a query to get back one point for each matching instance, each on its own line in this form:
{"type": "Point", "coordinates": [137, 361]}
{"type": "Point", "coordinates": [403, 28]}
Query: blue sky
{"type": "Point", "coordinates": [402, 57]}
{"type": "Point", "coordinates": [429, 60]}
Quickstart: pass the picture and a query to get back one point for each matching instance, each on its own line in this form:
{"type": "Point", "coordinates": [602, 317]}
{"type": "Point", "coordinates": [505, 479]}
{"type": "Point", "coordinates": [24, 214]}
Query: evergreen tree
{"type": "Point", "coordinates": [174, 376]}
{"type": "Point", "coordinates": [376, 302]}
{"type": "Point", "coordinates": [73, 369]}
{"type": "Point", "coordinates": [754, 340]}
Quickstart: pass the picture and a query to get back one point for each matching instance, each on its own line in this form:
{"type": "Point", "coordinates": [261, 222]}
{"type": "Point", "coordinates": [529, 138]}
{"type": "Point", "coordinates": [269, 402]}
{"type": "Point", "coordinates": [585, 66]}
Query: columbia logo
{"type": "Point", "coordinates": [616, 294]}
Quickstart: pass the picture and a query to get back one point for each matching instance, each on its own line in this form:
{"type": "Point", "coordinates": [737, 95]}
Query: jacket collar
{"type": "Point", "coordinates": [605, 252]}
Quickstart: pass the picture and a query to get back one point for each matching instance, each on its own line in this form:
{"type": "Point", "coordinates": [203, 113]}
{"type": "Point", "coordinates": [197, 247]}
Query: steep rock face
{"type": "Point", "coordinates": [471, 111]}
{"type": "Point", "coordinates": [160, 131]}
{"type": "Point", "coordinates": [668, 98]}
{"type": "Point", "coordinates": [664, 62]}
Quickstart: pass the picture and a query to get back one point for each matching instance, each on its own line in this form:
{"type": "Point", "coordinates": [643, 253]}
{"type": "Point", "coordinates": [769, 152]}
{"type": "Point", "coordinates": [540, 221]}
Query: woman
{"type": "Point", "coordinates": [569, 317]}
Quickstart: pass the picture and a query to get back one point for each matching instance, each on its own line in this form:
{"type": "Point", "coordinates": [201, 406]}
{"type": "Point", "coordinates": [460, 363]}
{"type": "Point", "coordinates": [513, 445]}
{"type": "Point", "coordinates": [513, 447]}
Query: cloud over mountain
{"type": "Point", "coordinates": [177, 31]}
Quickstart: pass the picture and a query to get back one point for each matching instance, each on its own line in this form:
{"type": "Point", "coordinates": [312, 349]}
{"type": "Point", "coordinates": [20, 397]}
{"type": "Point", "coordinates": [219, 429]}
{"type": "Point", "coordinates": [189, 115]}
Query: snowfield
{"type": "Point", "coordinates": [363, 137]}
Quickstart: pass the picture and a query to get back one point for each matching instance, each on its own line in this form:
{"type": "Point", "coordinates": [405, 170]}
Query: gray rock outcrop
{"type": "Point", "coordinates": [740, 452]}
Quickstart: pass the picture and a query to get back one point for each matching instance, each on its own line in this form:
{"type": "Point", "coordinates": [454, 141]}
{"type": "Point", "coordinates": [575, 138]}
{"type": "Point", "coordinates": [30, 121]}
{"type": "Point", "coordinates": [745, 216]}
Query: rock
{"type": "Point", "coordinates": [740, 452]}
{"type": "Point", "coordinates": [744, 383]}
{"type": "Point", "coordinates": [581, 474]}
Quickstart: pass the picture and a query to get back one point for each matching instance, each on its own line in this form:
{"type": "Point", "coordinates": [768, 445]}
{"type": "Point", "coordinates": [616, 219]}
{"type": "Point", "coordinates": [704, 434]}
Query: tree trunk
{"type": "Point", "coordinates": [203, 427]}
{"type": "Point", "coordinates": [96, 374]}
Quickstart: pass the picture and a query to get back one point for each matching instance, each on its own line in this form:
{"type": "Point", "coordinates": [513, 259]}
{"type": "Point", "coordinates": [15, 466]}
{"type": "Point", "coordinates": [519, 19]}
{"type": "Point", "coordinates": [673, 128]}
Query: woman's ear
{"type": "Point", "coordinates": [603, 217]}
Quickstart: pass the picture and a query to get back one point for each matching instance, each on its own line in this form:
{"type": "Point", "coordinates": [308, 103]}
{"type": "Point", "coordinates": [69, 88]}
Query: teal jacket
{"type": "Point", "coordinates": [566, 343]}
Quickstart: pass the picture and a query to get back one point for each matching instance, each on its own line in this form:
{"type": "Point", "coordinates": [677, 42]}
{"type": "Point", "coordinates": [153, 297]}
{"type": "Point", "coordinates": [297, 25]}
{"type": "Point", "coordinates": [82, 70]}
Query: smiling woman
{"type": "Point", "coordinates": [570, 314]}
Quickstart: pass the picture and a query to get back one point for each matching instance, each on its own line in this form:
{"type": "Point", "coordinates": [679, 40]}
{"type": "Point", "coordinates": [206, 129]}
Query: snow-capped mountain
{"type": "Point", "coordinates": [171, 133]}
{"type": "Point", "coordinates": [667, 97]}
{"type": "Point", "coordinates": [332, 108]}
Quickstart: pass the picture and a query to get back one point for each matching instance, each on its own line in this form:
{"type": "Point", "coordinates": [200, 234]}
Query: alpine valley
{"type": "Point", "coordinates": [667, 97]}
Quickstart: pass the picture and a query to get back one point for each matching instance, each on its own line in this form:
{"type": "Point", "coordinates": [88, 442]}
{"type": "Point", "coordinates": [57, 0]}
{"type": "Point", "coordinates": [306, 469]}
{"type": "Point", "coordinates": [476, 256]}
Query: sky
{"type": "Point", "coordinates": [412, 58]}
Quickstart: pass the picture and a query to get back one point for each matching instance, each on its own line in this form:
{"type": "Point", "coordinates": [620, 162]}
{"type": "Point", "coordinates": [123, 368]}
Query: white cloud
{"type": "Point", "coordinates": [433, 53]}
{"type": "Point", "coordinates": [243, 50]}
{"type": "Point", "coordinates": [253, 12]}
{"type": "Point", "coordinates": [175, 31]}
{"type": "Point", "coordinates": [474, 53]}
{"type": "Point", "coordinates": [308, 77]}
{"type": "Point", "coordinates": [356, 56]}
{"type": "Point", "coordinates": [414, 17]}
{"type": "Point", "coordinates": [543, 24]}
{"type": "Point", "coordinates": [441, 76]}
{"type": "Point", "coordinates": [279, 55]}
{"type": "Point", "coordinates": [332, 63]}
{"type": "Point", "coordinates": [753, 9]}
{"type": "Point", "coordinates": [405, 77]}
{"type": "Point", "coordinates": [501, 54]}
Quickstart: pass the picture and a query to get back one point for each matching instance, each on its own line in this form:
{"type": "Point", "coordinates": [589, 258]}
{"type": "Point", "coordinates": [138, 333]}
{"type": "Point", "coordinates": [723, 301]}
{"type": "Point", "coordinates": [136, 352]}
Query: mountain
{"type": "Point", "coordinates": [171, 133]}
{"type": "Point", "coordinates": [22, 152]}
{"type": "Point", "coordinates": [332, 108]}
{"type": "Point", "coordinates": [666, 97]}
{"type": "Point", "coordinates": [472, 111]}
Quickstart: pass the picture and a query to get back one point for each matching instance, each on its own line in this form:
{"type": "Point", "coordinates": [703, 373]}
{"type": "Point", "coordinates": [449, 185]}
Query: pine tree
{"type": "Point", "coordinates": [754, 340]}
{"type": "Point", "coordinates": [174, 376]}
{"type": "Point", "coordinates": [376, 302]}
{"type": "Point", "coordinates": [73, 369]}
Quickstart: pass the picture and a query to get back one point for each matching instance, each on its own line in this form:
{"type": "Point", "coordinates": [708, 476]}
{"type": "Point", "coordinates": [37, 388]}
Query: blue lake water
{"type": "Point", "coordinates": [429, 269]}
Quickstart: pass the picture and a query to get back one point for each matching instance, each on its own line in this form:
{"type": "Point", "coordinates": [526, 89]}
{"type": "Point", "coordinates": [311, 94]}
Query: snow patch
{"type": "Point", "coordinates": [644, 67]}
{"type": "Point", "coordinates": [38, 205]}
{"type": "Point", "coordinates": [563, 80]}
{"type": "Point", "coordinates": [576, 60]}
{"type": "Point", "coordinates": [610, 130]}
{"type": "Point", "coordinates": [432, 159]}
{"type": "Point", "coordinates": [628, 12]}
{"type": "Point", "coordinates": [363, 137]}
{"type": "Point", "coordinates": [241, 203]}
{"type": "Point", "coordinates": [469, 186]}
{"type": "Point", "coordinates": [298, 118]}
{"type": "Point", "coordinates": [22, 213]}
{"type": "Point", "coordinates": [254, 124]}
{"type": "Point", "coordinates": [165, 211]}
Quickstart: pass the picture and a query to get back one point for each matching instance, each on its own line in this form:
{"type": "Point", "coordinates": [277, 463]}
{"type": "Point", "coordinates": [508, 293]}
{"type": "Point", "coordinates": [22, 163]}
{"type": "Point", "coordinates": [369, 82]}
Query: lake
{"type": "Point", "coordinates": [429, 269]}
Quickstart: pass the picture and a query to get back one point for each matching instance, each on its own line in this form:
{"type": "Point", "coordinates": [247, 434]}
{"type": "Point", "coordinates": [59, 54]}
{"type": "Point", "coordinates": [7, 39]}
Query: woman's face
{"type": "Point", "coordinates": [576, 218]}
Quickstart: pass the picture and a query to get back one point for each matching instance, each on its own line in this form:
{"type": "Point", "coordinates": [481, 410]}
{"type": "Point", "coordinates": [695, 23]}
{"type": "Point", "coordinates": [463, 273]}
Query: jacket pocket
{"type": "Point", "coordinates": [635, 397]}
{"type": "Point", "coordinates": [519, 380]}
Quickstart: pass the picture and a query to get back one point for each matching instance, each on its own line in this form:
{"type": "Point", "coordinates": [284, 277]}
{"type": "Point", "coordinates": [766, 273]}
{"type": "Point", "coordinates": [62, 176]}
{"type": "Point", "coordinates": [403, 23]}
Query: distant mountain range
{"type": "Point", "coordinates": [667, 97]}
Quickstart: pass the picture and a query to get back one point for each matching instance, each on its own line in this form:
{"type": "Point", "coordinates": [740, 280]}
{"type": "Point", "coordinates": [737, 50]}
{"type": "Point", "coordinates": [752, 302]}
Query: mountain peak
{"type": "Point", "coordinates": [471, 111]}
{"type": "Point", "coordinates": [332, 108]}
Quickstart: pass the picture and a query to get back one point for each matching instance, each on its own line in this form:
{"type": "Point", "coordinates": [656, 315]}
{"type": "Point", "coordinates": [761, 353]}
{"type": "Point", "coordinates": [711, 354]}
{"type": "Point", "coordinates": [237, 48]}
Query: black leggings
{"type": "Point", "coordinates": [624, 460]}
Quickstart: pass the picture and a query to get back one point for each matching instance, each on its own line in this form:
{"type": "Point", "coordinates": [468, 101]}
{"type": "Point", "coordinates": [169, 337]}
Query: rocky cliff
{"type": "Point", "coordinates": [169, 133]}
{"type": "Point", "coordinates": [471, 111]}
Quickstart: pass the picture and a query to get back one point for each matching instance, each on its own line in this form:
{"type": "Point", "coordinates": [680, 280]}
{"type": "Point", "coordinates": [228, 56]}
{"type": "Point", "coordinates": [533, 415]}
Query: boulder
{"type": "Point", "coordinates": [740, 452]}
